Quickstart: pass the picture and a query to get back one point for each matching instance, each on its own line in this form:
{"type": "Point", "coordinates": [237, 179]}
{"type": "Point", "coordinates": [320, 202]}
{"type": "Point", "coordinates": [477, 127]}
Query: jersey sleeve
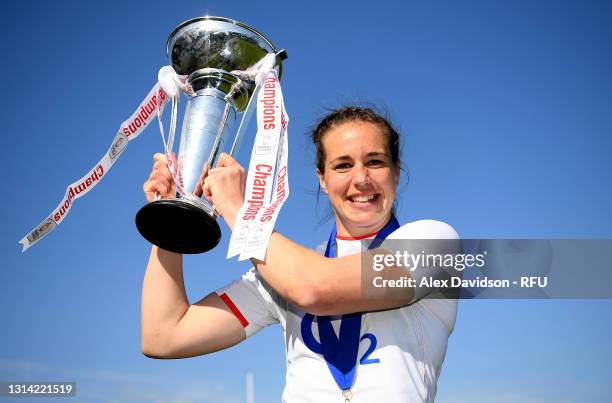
{"type": "Point", "coordinates": [252, 301]}
{"type": "Point", "coordinates": [422, 230]}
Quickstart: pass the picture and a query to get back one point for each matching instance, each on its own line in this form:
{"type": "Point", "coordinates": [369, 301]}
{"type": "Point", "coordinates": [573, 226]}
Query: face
{"type": "Point", "coordinates": [359, 178]}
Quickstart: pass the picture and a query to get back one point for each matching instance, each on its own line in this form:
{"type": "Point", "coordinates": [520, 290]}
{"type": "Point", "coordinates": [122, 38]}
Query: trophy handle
{"type": "Point", "coordinates": [173, 119]}
{"type": "Point", "coordinates": [248, 112]}
{"type": "Point", "coordinates": [168, 145]}
{"type": "Point", "coordinates": [244, 122]}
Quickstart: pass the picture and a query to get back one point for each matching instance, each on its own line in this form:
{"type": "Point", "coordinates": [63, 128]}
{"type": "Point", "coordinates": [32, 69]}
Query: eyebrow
{"type": "Point", "coordinates": [370, 154]}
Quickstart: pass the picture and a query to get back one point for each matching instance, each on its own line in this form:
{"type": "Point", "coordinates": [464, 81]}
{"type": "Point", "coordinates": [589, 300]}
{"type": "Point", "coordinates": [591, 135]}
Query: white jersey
{"type": "Point", "coordinates": [400, 352]}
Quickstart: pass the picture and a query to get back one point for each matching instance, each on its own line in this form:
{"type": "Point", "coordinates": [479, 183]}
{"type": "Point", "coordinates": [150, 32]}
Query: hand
{"type": "Point", "coordinates": [160, 180]}
{"type": "Point", "coordinates": [224, 187]}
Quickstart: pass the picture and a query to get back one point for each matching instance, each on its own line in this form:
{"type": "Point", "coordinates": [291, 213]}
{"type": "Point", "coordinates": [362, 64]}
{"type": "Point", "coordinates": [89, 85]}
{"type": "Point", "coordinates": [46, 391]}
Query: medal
{"type": "Point", "coordinates": [340, 352]}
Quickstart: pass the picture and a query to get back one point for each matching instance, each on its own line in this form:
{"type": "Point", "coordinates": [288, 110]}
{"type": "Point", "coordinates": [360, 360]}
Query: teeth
{"type": "Point", "coordinates": [362, 199]}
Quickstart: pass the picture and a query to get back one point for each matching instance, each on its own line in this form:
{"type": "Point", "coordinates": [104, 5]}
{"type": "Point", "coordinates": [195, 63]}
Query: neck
{"type": "Point", "coordinates": [350, 230]}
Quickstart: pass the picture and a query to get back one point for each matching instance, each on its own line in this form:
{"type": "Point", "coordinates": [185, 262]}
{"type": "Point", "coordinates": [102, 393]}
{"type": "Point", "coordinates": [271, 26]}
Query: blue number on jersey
{"type": "Point", "coordinates": [365, 360]}
{"type": "Point", "coordinates": [314, 346]}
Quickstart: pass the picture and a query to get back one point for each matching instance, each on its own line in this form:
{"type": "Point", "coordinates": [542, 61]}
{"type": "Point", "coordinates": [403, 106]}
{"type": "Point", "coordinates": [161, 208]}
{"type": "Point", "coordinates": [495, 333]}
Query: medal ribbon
{"type": "Point", "coordinates": [340, 352]}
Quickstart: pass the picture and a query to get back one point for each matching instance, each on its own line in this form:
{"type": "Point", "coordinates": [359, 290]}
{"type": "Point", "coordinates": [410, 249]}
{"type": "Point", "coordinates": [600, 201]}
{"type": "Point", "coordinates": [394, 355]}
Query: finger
{"type": "Point", "coordinates": [162, 172]}
{"type": "Point", "coordinates": [146, 188]}
{"type": "Point", "coordinates": [202, 188]}
{"type": "Point", "coordinates": [226, 160]}
{"type": "Point", "coordinates": [205, 171]}
{"type": "Point", "coordinates": [163, 181]}
{"type": "Point", "coordinates": [160, 186]}
{"type": "Point", "coordinates": [214, 171]}
{"type": "Point", "coordinates": [198, 189]}
{"type": "Point", "coordinates": [160, 164]}
{"type": "Point", "coordinates": [149, 191]}
{"type": "Point", "coordinates": [207, 191]}
{"type": "Point", "coordinates": [160, 159]}
{"type": "Point", "coordinates": [159, 156]}
{"type": "Point", "coordinates": [156, 166]}
{"type": "Point", "coordinates": [233, 169]}
{"type": "Point", "coordinates": [163, 162]}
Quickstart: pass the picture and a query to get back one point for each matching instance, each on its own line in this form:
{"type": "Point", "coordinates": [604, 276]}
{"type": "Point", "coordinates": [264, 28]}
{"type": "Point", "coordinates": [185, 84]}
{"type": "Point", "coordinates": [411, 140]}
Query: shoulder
{"type": "Point", "coordinates": [425, 229]}
{"type": "Point", "coordinates": [252, 284]}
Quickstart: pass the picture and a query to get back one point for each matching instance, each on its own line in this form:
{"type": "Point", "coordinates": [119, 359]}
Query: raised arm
{"type": "Point", "coordinates": [171, 327]}
{"type": "Point", "coordinates": [336, 286]}
{"type": "Point", "coordinates": [319, 285]}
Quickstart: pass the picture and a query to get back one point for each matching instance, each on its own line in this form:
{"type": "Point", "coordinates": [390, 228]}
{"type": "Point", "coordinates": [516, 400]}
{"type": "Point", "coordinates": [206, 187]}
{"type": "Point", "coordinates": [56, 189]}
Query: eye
{"type": "Point", "coordinates": [376, 162]}
{"type": "Point", "coordinates": [343, 166]}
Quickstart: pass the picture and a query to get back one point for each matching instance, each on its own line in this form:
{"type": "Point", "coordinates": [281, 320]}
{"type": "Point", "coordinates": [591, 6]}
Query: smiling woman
{"type": "Point", "coordinates": [358, 166]}
{"type": "Point", "coordinates": [340, 346]}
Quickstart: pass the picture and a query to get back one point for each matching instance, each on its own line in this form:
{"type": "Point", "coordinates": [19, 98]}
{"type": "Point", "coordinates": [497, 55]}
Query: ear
{"type": "Point", "coordinates": [322, 181]}
{"type": "Point", "coordinates": [398, 170]}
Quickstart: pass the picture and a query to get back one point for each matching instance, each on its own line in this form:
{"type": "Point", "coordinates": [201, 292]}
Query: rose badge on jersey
{"type": "Point", "coordinates": [225, 68]}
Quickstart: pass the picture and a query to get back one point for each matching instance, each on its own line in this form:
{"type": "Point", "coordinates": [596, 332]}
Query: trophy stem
{"type": "Point", "coordinates": [205, 128]}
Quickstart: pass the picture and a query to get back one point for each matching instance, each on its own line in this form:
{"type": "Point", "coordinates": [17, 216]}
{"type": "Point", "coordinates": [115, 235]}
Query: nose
{"type": "Point", "coordinates": [362, 176]}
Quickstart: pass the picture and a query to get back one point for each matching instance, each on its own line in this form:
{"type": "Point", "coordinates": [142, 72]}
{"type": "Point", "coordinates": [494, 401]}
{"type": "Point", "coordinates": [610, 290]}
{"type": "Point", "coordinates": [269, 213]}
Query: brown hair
{"type": "Point", "coordinates": [348, 114]}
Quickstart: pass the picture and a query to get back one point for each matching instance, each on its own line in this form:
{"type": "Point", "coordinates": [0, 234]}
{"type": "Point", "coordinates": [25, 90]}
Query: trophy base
{"type": "Point", "coordinates": [178, 226]}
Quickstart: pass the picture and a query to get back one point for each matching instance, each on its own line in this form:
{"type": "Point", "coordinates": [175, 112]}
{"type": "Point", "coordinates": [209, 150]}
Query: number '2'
{"type": "Point", "coordinates": [365, 359]}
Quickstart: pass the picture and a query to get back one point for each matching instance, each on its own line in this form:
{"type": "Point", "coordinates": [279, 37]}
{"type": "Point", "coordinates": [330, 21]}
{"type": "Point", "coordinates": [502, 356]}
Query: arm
{"type": "Point", "coordinates": [314, 283]}
{"type": "Point", "coordinates": [321, 285]}
{"type": "Point", "coordinates": [171, 327]}
{"type": "Point", "coordinates": [344, 285]}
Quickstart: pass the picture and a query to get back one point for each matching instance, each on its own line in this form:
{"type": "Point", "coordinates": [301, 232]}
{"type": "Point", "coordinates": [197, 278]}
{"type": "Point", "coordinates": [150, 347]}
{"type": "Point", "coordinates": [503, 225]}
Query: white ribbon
{"type": "Point", "coordinates": [267, 184]}
{"type": "Point", "coordinates": [152, 105]}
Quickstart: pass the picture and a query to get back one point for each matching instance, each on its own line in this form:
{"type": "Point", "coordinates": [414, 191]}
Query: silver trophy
{"type": "Point", "coordinates": [211, 51]}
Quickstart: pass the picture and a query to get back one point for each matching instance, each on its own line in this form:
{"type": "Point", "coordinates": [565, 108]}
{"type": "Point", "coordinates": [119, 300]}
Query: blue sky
{"type": "Point", "coordinates": [504, 109]}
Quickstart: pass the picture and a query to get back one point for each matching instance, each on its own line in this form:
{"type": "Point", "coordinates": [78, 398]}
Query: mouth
{"type": "Point", "coordinates": [363, 200]}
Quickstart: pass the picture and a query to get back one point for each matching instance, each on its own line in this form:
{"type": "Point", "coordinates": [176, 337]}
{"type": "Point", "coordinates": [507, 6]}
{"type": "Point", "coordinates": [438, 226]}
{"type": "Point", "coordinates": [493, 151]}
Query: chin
{"type": "Point", "coordinates": [368, 219]}
{"type": "Point", "coordinates": [363, 218]}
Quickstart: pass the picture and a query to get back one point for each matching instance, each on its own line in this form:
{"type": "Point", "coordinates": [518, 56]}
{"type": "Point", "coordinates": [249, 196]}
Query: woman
{"type": "Point", "coordinates": [392, 352]}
